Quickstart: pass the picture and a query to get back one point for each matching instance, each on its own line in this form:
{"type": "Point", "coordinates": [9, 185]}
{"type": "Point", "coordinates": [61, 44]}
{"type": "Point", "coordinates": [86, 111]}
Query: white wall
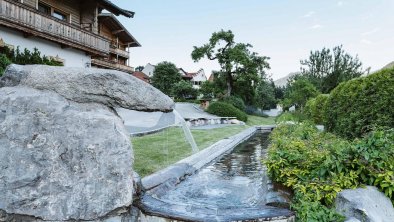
{"type": "Point", "coordinates": [72, 57]}
{"type": "Point", "coordinates": [201, 77]}
{"type": "Point", "coordinates": [148, 70]}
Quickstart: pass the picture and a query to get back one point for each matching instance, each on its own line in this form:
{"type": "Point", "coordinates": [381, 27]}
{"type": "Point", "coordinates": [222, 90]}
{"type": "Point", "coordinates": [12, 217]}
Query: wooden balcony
{"type": "Point", "coordinates": [112, 65]}
{"type": "Point", "coordinates": [28, 20]}
{"type": "Point", "coordinates": [119, 52]}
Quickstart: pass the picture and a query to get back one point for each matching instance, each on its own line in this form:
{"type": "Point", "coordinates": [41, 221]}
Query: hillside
{"type": "Point", "coordinates": [283, 81]}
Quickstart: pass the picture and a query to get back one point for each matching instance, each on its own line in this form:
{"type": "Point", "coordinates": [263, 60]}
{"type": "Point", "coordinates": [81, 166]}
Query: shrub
{"type": "Point", "coordinates": [318, 165]}
{"type": "Point", "coordinates": [358, 106]}
{"type": "Point", "coordinates": [315, 108]}
{"type": "Point", "coordinates": [294, 116]}
{"type": "Point", "coordinates": [184, 90]}
{"type": "Point", "coordinates": [4, 62]}
{"type": "Point", "coordinates": [235, 101]}
{"type": "Point", "coordinates": [226, 110]}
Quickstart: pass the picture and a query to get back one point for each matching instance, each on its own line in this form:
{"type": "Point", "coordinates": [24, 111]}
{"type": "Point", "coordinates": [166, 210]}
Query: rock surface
{"type": "Point", "coordinates": [108, 87]}
{"type": "Point", "coordinates": [59, 159]}
{"type": "Point", "coordinates": [365, 204]}
{"type": "Point", "coordinates": [65, 154]}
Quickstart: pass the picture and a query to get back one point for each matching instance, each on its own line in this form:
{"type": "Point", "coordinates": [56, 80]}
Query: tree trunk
{"type": "Point", "coordinates": [230, 83]}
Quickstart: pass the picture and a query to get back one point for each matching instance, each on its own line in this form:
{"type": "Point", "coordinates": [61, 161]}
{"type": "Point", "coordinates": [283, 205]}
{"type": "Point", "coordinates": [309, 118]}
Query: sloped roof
{"type": "Point", "coordinates": [141, 75]}
{"type": "Point", "coordinates": [119, 30]}
{"type": "Point", "coordinates": [108, 5]}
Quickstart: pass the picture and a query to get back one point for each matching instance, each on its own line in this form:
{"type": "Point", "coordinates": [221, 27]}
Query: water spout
{"type": "Point", "coordinates": [187, 132]}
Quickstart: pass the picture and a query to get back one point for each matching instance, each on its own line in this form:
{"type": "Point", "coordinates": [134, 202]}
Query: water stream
{"type": "Point", "coordinates": [238, 179]}
{"type": "Point", "coordinates": [188, 134]}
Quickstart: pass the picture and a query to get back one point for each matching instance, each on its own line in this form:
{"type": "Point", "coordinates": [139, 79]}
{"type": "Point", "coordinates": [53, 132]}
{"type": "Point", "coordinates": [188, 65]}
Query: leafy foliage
{"type": "Point", "coordinates": [318, 165]}
{"type": "Point", "coordinates": [326, 69]}
{"type": "Point", "coordinates": [237, 62]}
{"type": "Point", "coordinates": [26, 57]}
{"type": "Point", "coordinates": [358, 106]}
{"type": "Point", "coordinates": [184, 90]}
{"type": "Point", "coordinates": [315, 108]}
{"type": "Point", "coordinates": [265, 95]}
{"type": "Point", "coordinates": [235, 101]}
{"type": "Point", "coordinates": [294, 116]}
{"type": "Point", "coordinates": [298, 93]}
{"type": "Point", "coordinates": [139, 68]}
{"type": "Point", "coordinates": [226, 110]}
{"type": "Point", "coordinates": [4, 62]}
{"type": "Point", "coordinates": [166, 74]}
{"type": "Point", "coordinates": [208, 89]}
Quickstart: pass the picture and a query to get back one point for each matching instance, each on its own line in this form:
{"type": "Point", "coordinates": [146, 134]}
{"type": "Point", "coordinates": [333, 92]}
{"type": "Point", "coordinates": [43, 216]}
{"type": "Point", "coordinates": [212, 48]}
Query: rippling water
{"type": "Point", "coordinates": [238, 179]}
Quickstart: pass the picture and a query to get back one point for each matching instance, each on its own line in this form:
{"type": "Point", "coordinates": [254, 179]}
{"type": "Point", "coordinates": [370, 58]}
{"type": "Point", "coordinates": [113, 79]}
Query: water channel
{"type": "Point", "coordinates": [235, 187]}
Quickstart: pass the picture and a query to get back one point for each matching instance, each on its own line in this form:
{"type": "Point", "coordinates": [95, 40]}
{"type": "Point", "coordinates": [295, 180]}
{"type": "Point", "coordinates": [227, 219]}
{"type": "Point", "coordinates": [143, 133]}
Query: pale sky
{"type": "Point", "coordinates": [284, 30]}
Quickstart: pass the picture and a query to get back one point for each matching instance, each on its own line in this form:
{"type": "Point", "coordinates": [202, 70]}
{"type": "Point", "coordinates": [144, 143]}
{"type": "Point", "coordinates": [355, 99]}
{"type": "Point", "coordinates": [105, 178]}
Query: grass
{"type": "Point", "coordinates": [257, 120]}
{"type": "Point", "coordinates": [157, 151]}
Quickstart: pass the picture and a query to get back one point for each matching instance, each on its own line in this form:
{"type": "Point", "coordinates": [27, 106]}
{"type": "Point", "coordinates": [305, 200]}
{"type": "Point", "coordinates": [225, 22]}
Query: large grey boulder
{"type": "Point", "coordinates": [61, 160]}
{"type": "Point", "coordinates": [86, 85]}
{"type": "Point", "coordinates": [65, 154]}
{"type": "Point", "coordinates": [365, 204]}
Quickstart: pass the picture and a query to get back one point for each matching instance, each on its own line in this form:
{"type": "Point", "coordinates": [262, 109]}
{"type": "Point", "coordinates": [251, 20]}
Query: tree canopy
{"type": "Point", "coordinates": [298, 92]}
{"type": "Point", "coordinates": [184, 90]}
{"type": "Point", "coordinates": [166, 74]}
{"type": "Point", "coordinates": [326, 69]}
{"type": "Point", "coordinates": [236, 60]}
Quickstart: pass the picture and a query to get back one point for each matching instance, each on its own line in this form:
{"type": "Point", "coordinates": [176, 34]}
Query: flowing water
{"type": "Point", "coordinates": [238, 179]}
{"type": "Point", "coordinates": [188, 135]}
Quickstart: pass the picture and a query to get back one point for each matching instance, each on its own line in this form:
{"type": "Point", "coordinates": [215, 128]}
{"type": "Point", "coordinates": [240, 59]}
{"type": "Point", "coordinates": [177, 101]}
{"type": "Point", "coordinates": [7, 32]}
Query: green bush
{"type": "Point", "coordinates": [358, 106]}
{"type": "Point", "coordinates": [4, 62]}
{"type": "Point", "coordinates": [293, 116]}
{"type": "Point", "coordinates": [318, 165]}
{"type": "Point", "coordinates": [226, 110]}
{"type": "Point", "coordinates": [235, 101]}
{"type": "Point", "coordinates": [315, 108]}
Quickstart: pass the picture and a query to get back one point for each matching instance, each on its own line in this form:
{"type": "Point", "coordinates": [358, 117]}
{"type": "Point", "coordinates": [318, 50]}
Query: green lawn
{"type": "Point", "coordinates": [157, 151]}
{"type": "Point", "coordinates": [257, 120]}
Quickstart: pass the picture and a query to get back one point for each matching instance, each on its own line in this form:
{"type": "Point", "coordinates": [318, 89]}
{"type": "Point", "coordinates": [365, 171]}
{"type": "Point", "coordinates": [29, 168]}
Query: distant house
{"type": "Point", "coordinates": [142, 76]}
{"type": "Point", "coordinates": [148, 70]}
{"type": "Point", "coordinates": [75, 32]}
{"type": "Point", "coordinates": [195, 78]}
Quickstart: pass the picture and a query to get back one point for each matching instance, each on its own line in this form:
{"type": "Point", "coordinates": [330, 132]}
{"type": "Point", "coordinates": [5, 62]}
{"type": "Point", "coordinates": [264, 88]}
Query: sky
{"type": "Point", "coordinates": [284, 30]}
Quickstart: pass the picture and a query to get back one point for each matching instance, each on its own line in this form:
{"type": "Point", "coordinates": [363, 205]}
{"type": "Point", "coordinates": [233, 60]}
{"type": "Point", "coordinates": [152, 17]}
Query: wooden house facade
{"type": "Point", "coordinates": [69, 29]}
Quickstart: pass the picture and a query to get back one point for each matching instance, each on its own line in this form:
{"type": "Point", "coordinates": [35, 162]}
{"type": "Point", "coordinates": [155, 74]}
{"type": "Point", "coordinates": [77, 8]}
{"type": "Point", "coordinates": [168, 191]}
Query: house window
{"type": "Point", "coordinates": [48, 10]}
{"type": "Point", "coordinates": [44, 9]}
{"type": "Point", "coordinates": [59, 15]}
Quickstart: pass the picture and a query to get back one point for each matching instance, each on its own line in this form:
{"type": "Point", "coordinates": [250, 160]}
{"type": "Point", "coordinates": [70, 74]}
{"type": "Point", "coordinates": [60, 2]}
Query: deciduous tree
{"type": "Point", "coordinates": [326, 69]}
{"type": "Point", "coordinates": [166, 74]}
{"type": "Point", "coordinates": [235, 59]}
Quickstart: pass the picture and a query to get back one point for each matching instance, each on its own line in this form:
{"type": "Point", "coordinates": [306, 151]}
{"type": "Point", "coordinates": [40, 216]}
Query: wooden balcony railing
{"type": "Point", "coordinates": [19, 16]}
{"type": "Point", "coordinates": [119, 52]}
{"type": "Point", "coordinates": [112, 65]}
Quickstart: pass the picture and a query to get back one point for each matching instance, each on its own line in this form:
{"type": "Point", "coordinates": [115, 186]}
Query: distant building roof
{"type": "Point", "coordinates": [142, 76]}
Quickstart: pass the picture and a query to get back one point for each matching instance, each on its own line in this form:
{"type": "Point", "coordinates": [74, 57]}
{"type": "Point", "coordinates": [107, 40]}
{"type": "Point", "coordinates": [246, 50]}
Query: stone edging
{"type": "Point", "coordinates": [188, 166]}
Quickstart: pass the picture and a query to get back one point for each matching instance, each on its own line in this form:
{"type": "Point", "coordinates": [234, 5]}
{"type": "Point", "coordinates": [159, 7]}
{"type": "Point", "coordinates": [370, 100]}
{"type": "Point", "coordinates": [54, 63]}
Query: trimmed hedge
{"type": "Point", "coordinates": [315, 108]}
{"type": "Point", "coordinates": [360, 105]}
{"type": "Point", "coordinates": [226, 110]}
